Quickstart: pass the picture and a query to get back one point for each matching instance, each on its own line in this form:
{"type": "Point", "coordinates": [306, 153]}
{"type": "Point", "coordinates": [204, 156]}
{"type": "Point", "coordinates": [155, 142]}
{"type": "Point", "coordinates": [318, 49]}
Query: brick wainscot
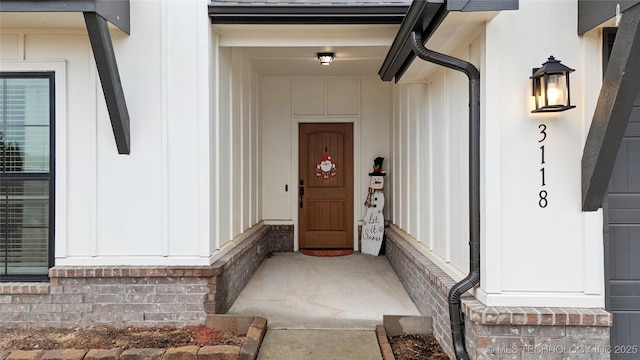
{"type": "Point", "coordinates": [141, 296]}
{"type": "Point", "coordinates": [497, 332]}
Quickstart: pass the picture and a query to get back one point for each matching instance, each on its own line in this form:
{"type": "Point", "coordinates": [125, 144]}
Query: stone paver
{"type": "Point", "coordinates": [251, 345]}
{"type": "Point", "coordinates": [101, 354]}
{"type": "Point", "coordinates": [219, 352]}
{"type": "Point", "coordinates": [26, 355]}
{"type": "Point", "coordinates": [69, 354]}
{"type": "Point", "coordinates": [182, 353]}
{"type": "Point", "coordinates": [142, 354]}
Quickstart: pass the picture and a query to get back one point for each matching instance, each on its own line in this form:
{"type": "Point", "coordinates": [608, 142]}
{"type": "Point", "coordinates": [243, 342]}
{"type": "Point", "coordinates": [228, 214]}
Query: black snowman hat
{"type": "Point", "coordinates": [377, 167]}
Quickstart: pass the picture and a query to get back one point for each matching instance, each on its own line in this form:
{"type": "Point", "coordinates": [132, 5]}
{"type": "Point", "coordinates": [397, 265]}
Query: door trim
{"type": "Point", "coordinates": [357, 169]}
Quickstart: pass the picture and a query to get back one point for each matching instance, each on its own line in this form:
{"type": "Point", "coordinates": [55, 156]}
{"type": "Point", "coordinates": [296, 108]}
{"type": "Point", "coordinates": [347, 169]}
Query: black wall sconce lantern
{"type": "Point", "coordinates": [551, 87]}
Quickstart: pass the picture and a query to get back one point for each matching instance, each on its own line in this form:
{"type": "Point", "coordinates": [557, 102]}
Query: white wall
{"type": "Point", "coordinates": [190, 183]}
{"type": "Point", "coordinates": [531, 256]}
{"type": "Point", "coordinates": [550, 255]}
{"type": "Point", "coordinates": [288, 101]}
{"type": "Point", "coordinates": [430, 165]}
{"type": "Point", "coordinates": [235, 147]}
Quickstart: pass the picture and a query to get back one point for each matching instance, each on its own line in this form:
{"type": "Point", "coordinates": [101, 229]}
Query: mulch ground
{"type": "Point", "coordinates": [109, 337]}
{"type": "Point", "coordinates": [416, 347]}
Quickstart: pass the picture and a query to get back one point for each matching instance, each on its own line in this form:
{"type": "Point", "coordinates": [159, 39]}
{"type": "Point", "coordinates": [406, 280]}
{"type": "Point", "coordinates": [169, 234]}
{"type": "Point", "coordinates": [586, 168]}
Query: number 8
{"type": "Point", "coordinates": [543, 199]}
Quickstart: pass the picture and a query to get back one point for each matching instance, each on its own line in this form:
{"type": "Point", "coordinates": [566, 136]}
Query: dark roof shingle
{"type": "Point", "coordinates": [310, 2]}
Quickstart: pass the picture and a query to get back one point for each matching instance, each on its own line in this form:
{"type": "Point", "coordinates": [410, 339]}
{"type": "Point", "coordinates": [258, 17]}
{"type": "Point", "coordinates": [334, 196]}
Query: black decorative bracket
{"type": "Point", "coordinates": [617, 95]}
{"type": "Point", "coordinates": [96, 14]}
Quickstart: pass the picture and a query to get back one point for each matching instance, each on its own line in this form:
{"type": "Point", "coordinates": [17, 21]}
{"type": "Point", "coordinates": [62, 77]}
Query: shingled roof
{"type": "Point", "coordinates": [308, 11]}
{"type": "Point", "coordinates": [310, 2]}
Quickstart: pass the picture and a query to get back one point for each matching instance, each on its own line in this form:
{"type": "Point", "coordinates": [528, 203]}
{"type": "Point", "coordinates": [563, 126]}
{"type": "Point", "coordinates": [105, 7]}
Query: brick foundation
{"type": "Point", "coordinates": [142, 296]}
{"type": "Point", "coordinates": [281, 238]}
{"type": "Point", "coordinates": [498, 332]}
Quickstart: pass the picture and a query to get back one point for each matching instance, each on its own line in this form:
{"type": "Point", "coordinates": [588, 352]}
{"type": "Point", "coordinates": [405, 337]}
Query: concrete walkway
{"type": "Point", "coordinates": [323, 308]}
{"type": "Point", "coordinates": [320, 345]}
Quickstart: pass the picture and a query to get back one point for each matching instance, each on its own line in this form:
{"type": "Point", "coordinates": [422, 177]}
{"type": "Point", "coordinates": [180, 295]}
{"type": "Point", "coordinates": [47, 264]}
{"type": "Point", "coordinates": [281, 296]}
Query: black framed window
{"type": "Point", "coordinates": [27, 103]}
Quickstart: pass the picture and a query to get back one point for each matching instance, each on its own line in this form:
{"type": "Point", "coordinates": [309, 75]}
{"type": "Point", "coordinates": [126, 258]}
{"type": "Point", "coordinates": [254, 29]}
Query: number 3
{"type": "Point", "coordinates": [543, 132]}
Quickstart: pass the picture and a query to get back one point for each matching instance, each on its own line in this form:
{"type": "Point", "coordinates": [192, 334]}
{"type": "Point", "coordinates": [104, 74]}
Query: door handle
{"type": "Point", "coordinates": [301, 192]}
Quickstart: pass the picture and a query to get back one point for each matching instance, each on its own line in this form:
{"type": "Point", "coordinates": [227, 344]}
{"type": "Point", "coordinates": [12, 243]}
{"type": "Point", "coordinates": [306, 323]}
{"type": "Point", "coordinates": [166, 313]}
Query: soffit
{"type": "Point", "coordinates": [116, 12]}
{"type": "Point", "coordinates": [455, 31]}
{"type": "Point", "coordinates": [291, 50]}
{"type": "Point", "coordinates": [48, 20]}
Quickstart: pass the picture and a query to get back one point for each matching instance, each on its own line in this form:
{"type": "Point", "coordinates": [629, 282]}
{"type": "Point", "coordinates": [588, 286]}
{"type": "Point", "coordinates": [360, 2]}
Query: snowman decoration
{"type": "Point", "coordinates": [373, 222]}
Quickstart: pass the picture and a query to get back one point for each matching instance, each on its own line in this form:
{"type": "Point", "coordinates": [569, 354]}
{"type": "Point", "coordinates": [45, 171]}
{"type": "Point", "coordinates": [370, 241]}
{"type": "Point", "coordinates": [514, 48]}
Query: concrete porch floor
{"type": "Point", "coordinates": [295, 291]}
{"type": "Point", "coordinates": [323, 308]}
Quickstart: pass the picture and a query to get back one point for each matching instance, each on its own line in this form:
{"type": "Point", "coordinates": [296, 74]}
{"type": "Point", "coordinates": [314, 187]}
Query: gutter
{"type": "Point", "coordinates": [473, 278]}
{"type": "Point", "coordinates": [422, 20]}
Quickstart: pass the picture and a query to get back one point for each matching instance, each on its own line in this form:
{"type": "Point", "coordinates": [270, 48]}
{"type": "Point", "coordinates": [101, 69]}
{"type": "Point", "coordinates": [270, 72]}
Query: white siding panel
{"type": "Point", "coordinates": [256, 146]}
{"type": "Point", "coordinates": [458, 104]}
{"type": "Point", "coordinates": [237, 127]}
{"type": "Point", "coordinates": [375, 117]}
{"type": "Point", "coordinates": [441, 180]}
{"type": "Point", "coordinates": [309, 96]}
{"type": "Point", "coordinates": [247, 131]}
{"type": "Point", "coordinates": [224, 147]}
{"type": "Point", "coordinates": [529, 232]}
{"type": "Point", "coordinates": [343, 96]}
{"type": "Point", "coordinates": [9, 47]}
{"type": "Point", "coordinates": [424, 165]}
{"type": "Point", "coordinates": [81, 144]}
{"type": "Point", "coordinates": [413, 159]}
{"type": "Point", "coordinates": [276, 149]}
{"type": "Point", "coordinates": [394, 166]}
{"type": "Point", "coordinates": [182, 110]}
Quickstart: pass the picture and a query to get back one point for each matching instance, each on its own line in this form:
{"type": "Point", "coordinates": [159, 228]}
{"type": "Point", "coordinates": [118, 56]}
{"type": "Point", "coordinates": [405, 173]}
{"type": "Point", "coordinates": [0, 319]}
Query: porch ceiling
{"type": "Point", "coordinates": [360, 50]}
{"type": "Point", "coordinates": [302, 61]}
{"type": "Point", "coordinates": [291, 50]}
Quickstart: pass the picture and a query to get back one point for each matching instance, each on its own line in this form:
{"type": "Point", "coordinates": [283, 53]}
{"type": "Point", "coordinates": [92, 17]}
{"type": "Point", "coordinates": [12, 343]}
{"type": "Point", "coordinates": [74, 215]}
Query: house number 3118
{"type": "Point", "coordinates": [542, 195]}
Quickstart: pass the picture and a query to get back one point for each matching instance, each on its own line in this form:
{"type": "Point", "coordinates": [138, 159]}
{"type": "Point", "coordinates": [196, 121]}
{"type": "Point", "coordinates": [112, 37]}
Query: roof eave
{"type": "Point", "coordinates": [116, 12]}
{"type": "Point", "coordinates": [286, 14]}
{"type": "Point", "coordinates": [423, 16]}
{"type": "Point", "coordinates": [96, 14]}
{"type": "Point", "coordinates": [426, 16]}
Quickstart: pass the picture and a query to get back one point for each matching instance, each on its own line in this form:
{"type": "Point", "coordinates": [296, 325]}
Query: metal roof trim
{"type": "Point", "coordinates": [307, 14]}
{"type": "Point", "coordinates": [116, 12]}
{"type": "Point", "coordinates": [426, 16]}
{"type": "Point", "coordinates": [423, 16]}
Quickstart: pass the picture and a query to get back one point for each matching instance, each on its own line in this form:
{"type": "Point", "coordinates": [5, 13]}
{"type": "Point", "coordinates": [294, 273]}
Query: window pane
{"type": "Point", "coordinates": [24, 210]}
{"type": "Point", "coordinates": [25, 227]}
{"type": "Point", "coordinates": [24, 125]}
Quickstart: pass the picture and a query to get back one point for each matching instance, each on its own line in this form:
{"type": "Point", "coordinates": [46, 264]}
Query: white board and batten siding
{"type": "Point", "coordinates": [288, 101]}
{"type": "Point", "coordinates": [161, 205]}
{"type": "Point", "coordinates": [538, 248]}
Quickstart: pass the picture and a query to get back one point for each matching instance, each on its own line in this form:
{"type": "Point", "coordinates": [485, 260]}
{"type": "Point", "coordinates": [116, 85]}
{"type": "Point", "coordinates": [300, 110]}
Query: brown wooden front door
{"type": "Point", "coordinates": [325, 213]}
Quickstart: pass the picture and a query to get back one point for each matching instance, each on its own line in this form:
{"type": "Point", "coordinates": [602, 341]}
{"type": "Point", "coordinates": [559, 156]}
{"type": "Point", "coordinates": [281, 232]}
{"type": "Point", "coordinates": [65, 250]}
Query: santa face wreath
{"type": "Point", "coordinates": [326, 168]}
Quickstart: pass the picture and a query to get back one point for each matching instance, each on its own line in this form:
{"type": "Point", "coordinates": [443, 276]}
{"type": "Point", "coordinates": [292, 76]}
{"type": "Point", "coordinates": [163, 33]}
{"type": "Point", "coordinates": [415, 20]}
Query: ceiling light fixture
{"type": "Point", "coordinates": [325, 58]}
